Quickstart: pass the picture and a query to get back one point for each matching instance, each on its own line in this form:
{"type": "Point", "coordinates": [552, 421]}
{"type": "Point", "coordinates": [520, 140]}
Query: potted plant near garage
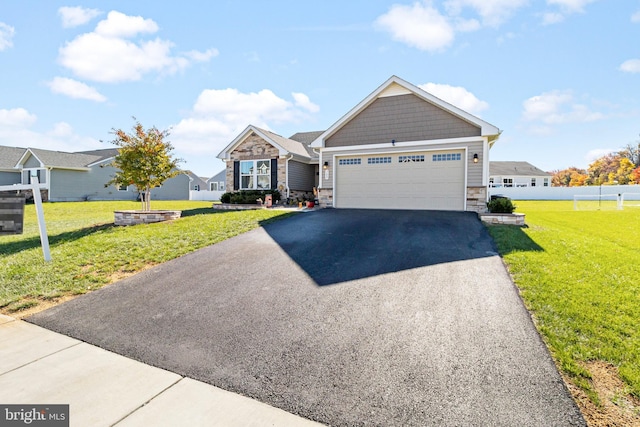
{"type": "Point", "coordinates": [145, 161]}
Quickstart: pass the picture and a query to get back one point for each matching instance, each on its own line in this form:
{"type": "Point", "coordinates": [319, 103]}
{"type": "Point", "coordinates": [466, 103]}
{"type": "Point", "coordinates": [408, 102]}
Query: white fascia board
{"type": "Point", "coordinates": [403, 146]}
{"type": "Point", "coordinates": [110, 159]}
{"type": "Point", "coordinates": [24, 158]}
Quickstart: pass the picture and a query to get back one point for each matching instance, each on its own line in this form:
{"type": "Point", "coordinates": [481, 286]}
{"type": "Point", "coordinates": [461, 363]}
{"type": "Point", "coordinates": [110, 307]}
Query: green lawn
{"type": "Point", "coordinates": [579, 275]}
{"type": "Point", "coordinates": [88, 251]}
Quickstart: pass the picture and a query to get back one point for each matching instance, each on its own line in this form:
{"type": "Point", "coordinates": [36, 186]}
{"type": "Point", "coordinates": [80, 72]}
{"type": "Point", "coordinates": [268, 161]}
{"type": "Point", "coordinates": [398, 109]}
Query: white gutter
{"type": "Point", "coordinates": [319, 167]}
{"type": "Point", "coordinates": [286, 170]}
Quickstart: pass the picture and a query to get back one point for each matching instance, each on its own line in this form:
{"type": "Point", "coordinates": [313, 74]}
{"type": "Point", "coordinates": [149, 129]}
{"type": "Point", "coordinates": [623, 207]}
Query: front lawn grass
{"type": "Point", "coordinates": [88, 251]}
{"type": "Point", "coordinates": [579, 274]}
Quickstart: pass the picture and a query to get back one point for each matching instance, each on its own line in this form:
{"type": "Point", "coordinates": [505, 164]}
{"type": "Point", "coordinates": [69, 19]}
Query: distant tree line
{"type": "Point", "coordinates": [621, 168]}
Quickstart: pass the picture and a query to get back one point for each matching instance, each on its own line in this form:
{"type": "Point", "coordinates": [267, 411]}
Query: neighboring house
{"type": "Point", "coordinates": [9, 157]}
{"type": "Point", "coordinates": [217, 182]}
{"type": "Point", "coordinates": [517, 174]}
{"type": "Point", "coordinates": [399, 148]}
{"type": "Point", "coordinates": [195, 182]}
{"type": "Point", "coordinates": [81, 175]}
{"type": "Point", "coordinates": [258, 159]}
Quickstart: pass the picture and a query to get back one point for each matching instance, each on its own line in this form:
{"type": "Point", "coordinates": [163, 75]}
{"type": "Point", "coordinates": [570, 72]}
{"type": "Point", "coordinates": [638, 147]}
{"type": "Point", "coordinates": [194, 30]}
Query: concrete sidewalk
{"type": "Point", "coordinates": [38, 366]}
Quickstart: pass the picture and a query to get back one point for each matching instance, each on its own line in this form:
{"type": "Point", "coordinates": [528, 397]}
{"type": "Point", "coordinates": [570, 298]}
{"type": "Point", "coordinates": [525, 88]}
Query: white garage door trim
{"type": "Point", "coordinates": [385, 180]}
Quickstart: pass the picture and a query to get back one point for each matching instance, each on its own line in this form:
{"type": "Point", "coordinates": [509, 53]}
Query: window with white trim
{"type": "Point", "coordinates": [533, 182]}
{"type": "Point", "coordinates": [546, 182]}
{"type": "Point", "coordinates": [122, 187]}
{"type": "Point", "coordinates": [507, 182]}
{"type": "Point", "coordinates": [213, 186]}
{"type": "Point", "coordinates": [255, 174]}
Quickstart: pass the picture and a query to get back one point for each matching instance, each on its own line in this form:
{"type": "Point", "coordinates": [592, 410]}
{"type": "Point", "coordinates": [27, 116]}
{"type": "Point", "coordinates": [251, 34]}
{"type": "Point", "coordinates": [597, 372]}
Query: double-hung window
{"type": "Point", "coordinates": [255, 174]}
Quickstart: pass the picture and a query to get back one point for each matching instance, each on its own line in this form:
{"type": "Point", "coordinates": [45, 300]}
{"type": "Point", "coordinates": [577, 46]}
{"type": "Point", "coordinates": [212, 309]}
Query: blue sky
{"type": "Point", "coordinates": [560, 78]}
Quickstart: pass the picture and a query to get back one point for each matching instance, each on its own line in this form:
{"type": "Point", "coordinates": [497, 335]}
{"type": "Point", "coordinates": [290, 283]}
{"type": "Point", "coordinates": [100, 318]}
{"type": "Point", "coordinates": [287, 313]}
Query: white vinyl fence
{"type": "Point", "coordinates": [629, 192]}
{"type": "Point", "coordinates": [205, 195]}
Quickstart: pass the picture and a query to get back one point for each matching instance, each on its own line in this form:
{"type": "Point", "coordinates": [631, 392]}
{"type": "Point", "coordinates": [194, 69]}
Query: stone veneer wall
{"type": "Point", "coordinates": [477, 199]}
{"type": "Point", "coordinates": [256, 148]}
{"type": "Point", "coordinates": [144, 217]}
{"type": "Point", "coordinates": [325, 197]}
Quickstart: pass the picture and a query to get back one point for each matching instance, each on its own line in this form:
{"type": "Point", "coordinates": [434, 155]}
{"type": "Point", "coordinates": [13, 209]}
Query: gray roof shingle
{"type": "Point", "coordinates": [515, 169]}
{"type": "Point", "coordinates": [292, 146]}
{"type": "Point", "coordinates": [9, 156]}
{"type": "Point", "coordinates": [60, 159]}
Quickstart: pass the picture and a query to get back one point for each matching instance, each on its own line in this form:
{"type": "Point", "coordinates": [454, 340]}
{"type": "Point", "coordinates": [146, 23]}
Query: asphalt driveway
{"type": "Point", "coordinates": [347, 317]}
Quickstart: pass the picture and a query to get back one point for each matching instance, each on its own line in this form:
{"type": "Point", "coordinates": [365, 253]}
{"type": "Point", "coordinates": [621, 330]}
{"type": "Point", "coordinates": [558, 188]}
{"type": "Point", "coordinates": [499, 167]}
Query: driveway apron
{"type": "Point", "coordinates": [346, 317]}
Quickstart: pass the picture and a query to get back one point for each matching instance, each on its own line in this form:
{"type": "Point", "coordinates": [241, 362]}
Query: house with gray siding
{"type": "Point", "coordinates": [399, 148]}
{"type": "Point", "coordinates": [9, 172]}
{"type": "Point", "coordinates": [217, 182]}
{"type": "Point", "coordinates": [81, 175]}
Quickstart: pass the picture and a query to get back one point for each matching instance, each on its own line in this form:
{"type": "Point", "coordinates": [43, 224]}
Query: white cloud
{"type": "Point", "coordinates": [419, 25]}
{"type": "Point", "coordinates": [15, 131]}
{"type": "Point", "coordinates": [631, 66]}
{"type": "Point", "coordinates": [219, 115]}
{"type": "Point", "coordinates": [303, 101]}
{"type": "Point", "coordinates": [76, 16]}
{"type": "Point", "coordinates": [557, 107]}
{"type": "Point", "coordinates": [423, 26]}
{"type": "Point", "coordinates": [596, 153]}
{"type": "Point", "coordinates": [566, 7]}
{"type": "Point", "coordinates": [551, 18]}
{"type": "Point", "coordinates": [106, 54]}
{"type": "Point", "coordinates": [197, 56]}
{"type": "Point", "coordinates": [16, 117]}
{"type": "Point", "coordinates": [571, 6]}
{"type": "Point", "coordinates": [492, 12]}
{"type": "Point", "coordinates": [119, 25]}
{"type": "Point", "coordinates": [635, 18]}
{"type": "Point", "coordinates": [456, 95]}
{"type": "Point", "coordinates": [75, 89]}
{"type": "Point", "coordinates": [61, 129]}
{"type": "Point", "coordinates": [6, 36]}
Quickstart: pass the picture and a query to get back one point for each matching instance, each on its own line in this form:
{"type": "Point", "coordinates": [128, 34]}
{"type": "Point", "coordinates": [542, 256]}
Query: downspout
{"type": "Point", "coordinates": [286, 173]}
{"type": "Point", "coordinates": [319, 167]}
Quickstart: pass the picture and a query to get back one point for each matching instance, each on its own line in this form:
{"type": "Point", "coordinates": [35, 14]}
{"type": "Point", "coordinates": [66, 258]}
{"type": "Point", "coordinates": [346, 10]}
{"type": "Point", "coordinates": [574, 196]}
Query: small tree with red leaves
{"type": "Point", "coordinates": [144, 160]}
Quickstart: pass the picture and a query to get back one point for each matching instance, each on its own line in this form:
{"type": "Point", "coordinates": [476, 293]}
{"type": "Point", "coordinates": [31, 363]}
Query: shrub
{"type": "Point", "coordinates": [501, 205]}
{"type": "Point", "coordinates": [249, 197]}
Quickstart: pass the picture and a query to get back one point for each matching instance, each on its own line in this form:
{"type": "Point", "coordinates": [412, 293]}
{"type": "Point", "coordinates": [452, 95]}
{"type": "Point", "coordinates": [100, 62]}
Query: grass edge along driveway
{"type": "Point", "coordinates": [89, 252]}
{"type": "Point", "coordinates": [577, 272]}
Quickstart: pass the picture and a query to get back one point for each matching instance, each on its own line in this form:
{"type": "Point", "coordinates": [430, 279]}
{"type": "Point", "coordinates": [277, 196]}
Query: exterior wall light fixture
{"type": "Point", "coordinates": [475, 158]}
{"type": "Point", "coordinates": [325, 165]}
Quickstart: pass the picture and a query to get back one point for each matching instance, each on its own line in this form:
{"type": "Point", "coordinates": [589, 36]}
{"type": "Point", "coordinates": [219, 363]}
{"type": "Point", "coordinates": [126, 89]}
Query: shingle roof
{"type": "Point", "coordinates": [105, 153]}
{"type": "Point", "coordinates": [515, 169]}
{"type": "Point", "coordinates": [61, 159]}
{"type": "Point", "coordinates": [306, 137]}
{"type": "Point", "coordinates": [292, 146]}
{"type": "Point", "coordinates": [9, 156]}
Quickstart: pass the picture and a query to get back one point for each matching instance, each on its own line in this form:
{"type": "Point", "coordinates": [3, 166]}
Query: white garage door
{"type": "Point", "coordinates": [413, 180]}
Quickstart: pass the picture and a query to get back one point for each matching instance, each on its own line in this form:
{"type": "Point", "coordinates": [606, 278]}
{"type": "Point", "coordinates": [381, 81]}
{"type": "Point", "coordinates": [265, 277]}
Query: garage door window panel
{"type": "Point", "coordinates": [411, 158]}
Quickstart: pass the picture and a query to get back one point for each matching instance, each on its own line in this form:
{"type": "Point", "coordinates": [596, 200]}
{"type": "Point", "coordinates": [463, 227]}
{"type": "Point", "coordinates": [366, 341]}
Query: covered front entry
{"type": "Point", "coordinates": [433, 180]}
